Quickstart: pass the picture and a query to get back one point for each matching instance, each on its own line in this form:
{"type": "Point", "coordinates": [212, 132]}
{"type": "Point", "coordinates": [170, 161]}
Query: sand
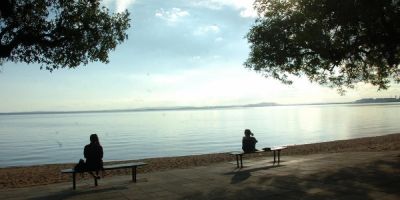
{"type": "Point", "coordinates": [15, 177]}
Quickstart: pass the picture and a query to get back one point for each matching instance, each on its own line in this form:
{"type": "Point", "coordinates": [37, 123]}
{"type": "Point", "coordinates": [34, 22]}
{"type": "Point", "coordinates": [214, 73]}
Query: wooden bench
{"type": "Point", "coordinates": [275, 150]}
{"type": "Point", "coordinates": [132, 165]}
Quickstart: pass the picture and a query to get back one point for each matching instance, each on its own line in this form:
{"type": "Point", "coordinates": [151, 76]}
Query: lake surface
{"type": "Point", "coordinates": [60, 138]}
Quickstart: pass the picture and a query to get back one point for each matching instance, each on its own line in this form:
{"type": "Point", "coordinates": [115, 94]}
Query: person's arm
{"type": "Point", "coordinates": [85, 152]}
{"type": "Point", "coordinates": [101, 152]}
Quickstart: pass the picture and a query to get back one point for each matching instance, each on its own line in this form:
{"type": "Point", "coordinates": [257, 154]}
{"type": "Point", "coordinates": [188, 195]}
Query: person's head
{"type": "Point", "coordinates": [248, 133]}
{"type": "Point", "coordinates": [94, 139]}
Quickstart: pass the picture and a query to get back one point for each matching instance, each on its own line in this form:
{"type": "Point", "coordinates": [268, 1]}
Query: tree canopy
{"type": "Point", "coordinates": [336, 43]}
{"type": "Point", "coordinates": [59, 33]}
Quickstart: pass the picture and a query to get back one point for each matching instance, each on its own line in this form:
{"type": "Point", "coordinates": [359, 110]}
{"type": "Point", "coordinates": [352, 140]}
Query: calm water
{"type": "Point", "coordinates": [59, 138]}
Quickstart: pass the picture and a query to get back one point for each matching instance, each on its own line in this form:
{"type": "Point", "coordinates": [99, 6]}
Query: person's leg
{"type": "Point", "coordinates": [97, 174]}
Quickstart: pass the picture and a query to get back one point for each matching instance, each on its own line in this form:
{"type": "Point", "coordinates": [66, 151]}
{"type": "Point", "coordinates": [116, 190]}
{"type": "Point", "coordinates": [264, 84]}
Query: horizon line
{"type": "Point", "coordinates": [172, 108]}
{"type": "Point", "coordinates": [177, 108]}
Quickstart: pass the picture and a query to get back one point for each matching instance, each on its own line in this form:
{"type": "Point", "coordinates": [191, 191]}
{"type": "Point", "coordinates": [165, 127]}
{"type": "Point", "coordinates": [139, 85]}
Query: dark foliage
{"type": "Point", "coordinates": [59, 33]}
{"type": "Point", "coordinates": [336, 43]}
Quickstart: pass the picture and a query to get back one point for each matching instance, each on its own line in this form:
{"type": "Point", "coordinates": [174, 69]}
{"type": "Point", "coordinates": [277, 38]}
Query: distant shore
{"type": "Point", "coordinates": [368, 101]}
{"type": "Point", "coordinates": [14, 177]}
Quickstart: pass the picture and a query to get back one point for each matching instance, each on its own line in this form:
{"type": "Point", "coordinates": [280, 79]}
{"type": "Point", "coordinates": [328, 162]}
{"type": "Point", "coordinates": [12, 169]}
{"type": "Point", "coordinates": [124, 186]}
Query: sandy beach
{"type": "Point", "coordinates": [15, 177]}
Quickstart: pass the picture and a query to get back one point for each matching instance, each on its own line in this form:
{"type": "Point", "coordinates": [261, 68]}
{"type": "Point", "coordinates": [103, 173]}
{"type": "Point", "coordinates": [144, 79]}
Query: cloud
{"type": "Point", "coordinates": [120, 5]}
{"type": "Point", "coordinates": [245, 7]}
{"type": "Point", "coordinates": [172, 15]}
{"type": "Point", "coordinates": [202, 30]}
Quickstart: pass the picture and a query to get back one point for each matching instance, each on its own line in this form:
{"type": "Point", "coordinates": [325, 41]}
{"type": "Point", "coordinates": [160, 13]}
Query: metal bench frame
{"type": "Point", "coordinates": [275, 150]}
{"type": "Point", "coordinates": [133, 166]}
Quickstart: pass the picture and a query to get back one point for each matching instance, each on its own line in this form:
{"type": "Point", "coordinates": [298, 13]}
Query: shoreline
{"type": "Point", "coordinates": [26, 176]}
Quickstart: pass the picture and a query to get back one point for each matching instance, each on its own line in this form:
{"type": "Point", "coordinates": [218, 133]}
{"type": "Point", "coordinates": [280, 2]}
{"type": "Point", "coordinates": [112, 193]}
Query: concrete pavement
{"type": "Point", "coordinates": [355, 175]}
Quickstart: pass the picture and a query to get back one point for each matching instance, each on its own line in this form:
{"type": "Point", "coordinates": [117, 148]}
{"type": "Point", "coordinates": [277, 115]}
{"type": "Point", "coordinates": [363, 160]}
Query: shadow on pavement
{"type": "Point", "coordinates": [71, 193]}
{"type": "Point", "coordinates": [377, 180]}
{"type": "Point", "coordinates": [243, 173]}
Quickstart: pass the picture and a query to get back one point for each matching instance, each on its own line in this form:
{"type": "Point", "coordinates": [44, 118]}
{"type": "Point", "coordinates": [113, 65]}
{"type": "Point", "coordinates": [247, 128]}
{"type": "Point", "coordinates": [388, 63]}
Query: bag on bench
{"type": "Point", "coordinates": [81, 166]}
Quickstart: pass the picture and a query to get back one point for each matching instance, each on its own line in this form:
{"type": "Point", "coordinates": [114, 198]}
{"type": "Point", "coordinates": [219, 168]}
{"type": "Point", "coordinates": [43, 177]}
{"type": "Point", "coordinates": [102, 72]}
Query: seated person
{"type": "Point", "coordinates": [249, 142]}
{"type": "Point", "coordinates": [94, 155]}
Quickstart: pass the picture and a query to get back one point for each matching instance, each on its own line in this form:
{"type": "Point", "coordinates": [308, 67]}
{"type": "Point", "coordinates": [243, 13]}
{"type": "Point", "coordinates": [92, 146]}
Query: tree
{"type": "Point", "coordinates": [59, 33]}
{"type": "Point", "coordinates": [336, 43]}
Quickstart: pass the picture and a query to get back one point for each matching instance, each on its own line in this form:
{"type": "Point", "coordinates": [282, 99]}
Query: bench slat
{"type": "Point", "coordinates": [259, 151]}
{"type": "Point", "coordinates": [132, 165]}
{"type": "Point", "coordinates": [111, 167]}
{"type": "Point", "coordinates": [67, 171]}
{"type": "Point", "coordinates": [277, 148]}
{"type": "Point", "coordinates": [124, 165]}
{"type": "Point", "coordinates": [239, 154]}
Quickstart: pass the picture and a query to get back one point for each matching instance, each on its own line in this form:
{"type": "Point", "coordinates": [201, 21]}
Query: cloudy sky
{"type": "Point", "coordinates": [179, 53]}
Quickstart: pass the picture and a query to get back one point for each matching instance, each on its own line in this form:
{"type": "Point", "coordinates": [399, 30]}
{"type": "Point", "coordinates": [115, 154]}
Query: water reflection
{"type": "Point", "coordinates": [39, 139]}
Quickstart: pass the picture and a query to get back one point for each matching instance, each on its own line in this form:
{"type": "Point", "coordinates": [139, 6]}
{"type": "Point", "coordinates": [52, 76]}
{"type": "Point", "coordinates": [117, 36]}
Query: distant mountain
{"type": "Point", "coordinates": [260, 104]}
{"type": "Point", "coordinates": [210, 107]}
{"type": "Point", "coordinates": [378, 100]}
{"type": "Point", "coordinates": [143, 109]}
{"type": "Point", "coordinates": [263, 104]}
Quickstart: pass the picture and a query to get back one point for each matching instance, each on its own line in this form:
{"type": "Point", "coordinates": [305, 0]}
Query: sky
{"type": "Point", "coordinates": [178, 53]}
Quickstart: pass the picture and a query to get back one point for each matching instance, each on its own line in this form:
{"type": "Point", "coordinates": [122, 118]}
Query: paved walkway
{"type": "Point", "coordinates": [364, 176]}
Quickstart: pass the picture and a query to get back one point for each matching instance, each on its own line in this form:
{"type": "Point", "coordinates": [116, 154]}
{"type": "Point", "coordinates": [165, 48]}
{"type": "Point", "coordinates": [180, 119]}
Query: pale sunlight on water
{"type": "Point", "coordinates": [59, 138]}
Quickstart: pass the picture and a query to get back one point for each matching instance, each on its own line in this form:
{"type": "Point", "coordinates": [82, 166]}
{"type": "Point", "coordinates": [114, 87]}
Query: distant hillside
{"type": "Point", "coordinates": [263, 104]}
{"type": "Point", "coordinates": [260, 105]}
{"type": "Point", "coordinates": [143, 109]}
{"type": "Point", "coordinates": [378, 100]}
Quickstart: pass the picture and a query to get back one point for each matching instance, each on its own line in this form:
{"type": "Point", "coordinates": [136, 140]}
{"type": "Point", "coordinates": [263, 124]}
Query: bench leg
{"type": "Point", "coordinates": [274, 156]}
{"type": "Point", "coordinates": [95, 181]}
{"type": "Point", "coordinates": [279, 156]}
{"type": "Point", "coordinates": [241, 161]}
{"type": "Point", "coordinates": [74, 181]}
{"type": "Point", "coordinates": [237, 160]}
{"type": "Point", "coordinates": [134, 174]}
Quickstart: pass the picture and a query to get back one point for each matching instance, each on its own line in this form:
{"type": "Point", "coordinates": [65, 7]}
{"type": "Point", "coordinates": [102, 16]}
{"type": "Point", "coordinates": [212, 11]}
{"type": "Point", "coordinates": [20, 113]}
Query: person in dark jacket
{"type": "Point", "coordinates": [248, 142]}
{"type": "Point", "coordinates": [94, 155]}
